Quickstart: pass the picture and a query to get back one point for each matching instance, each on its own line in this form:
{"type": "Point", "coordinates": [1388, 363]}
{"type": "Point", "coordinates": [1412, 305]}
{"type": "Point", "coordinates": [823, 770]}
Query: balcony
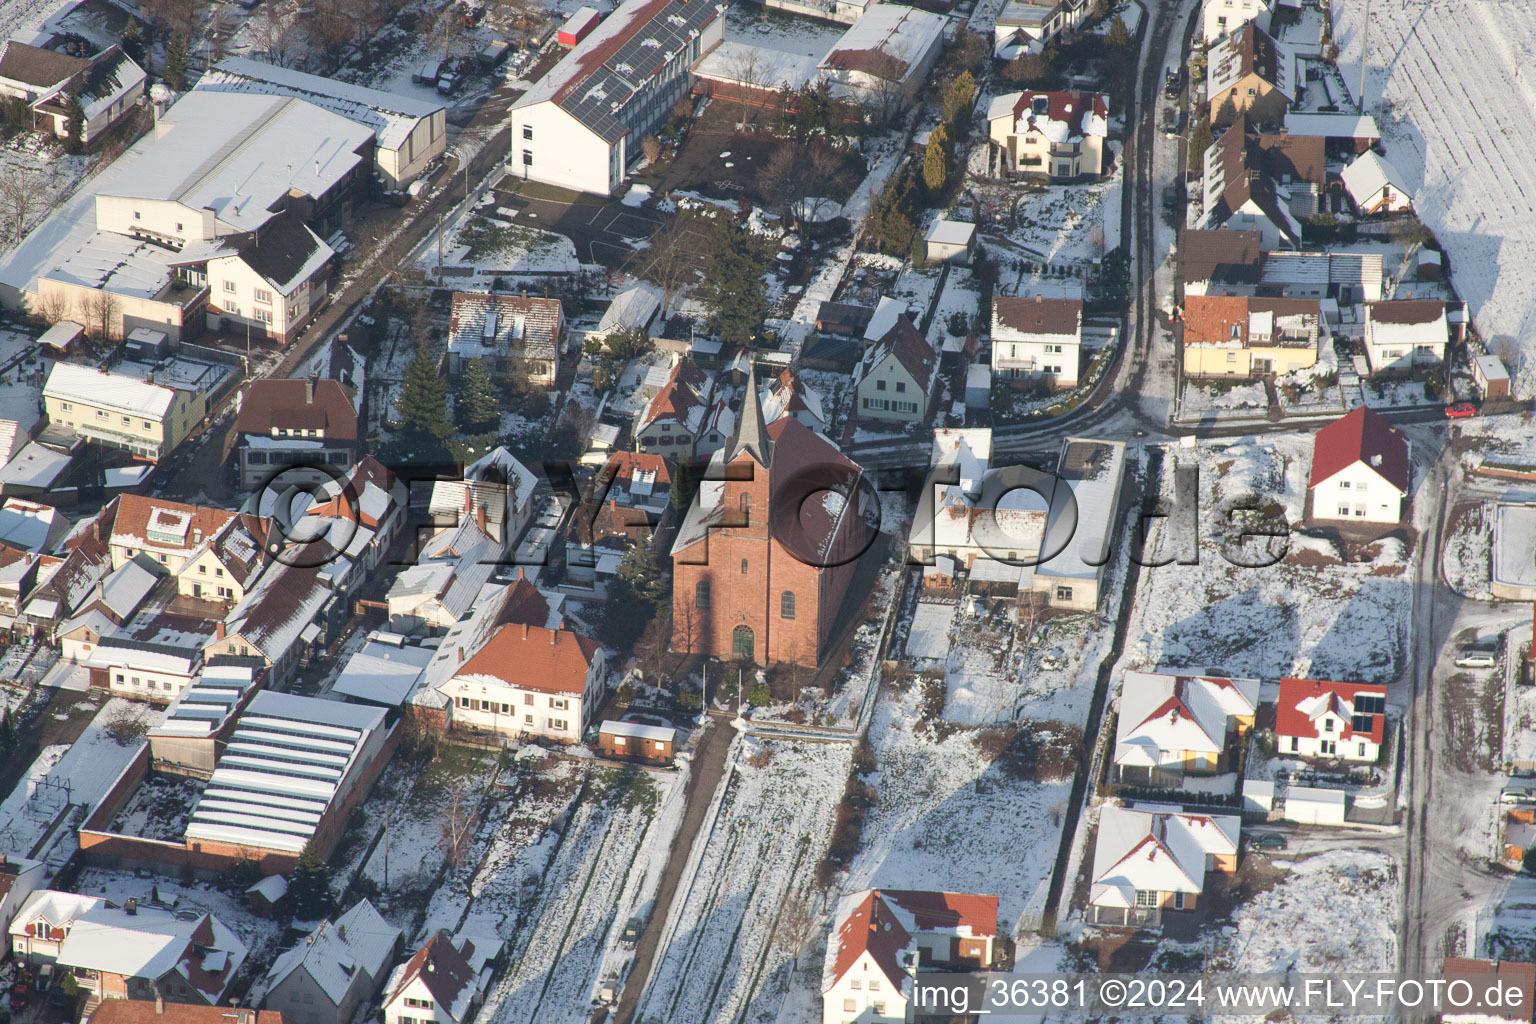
{"type": "Point", "coordinates": [1149, 918]}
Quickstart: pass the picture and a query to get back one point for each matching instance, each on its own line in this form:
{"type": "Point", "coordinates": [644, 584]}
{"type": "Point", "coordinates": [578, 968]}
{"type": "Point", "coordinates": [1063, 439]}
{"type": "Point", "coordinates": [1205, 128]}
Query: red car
{"type": "Point", "coordinates": [19, 996]}
{"type": "Point", "coordinates": [1460, 410]}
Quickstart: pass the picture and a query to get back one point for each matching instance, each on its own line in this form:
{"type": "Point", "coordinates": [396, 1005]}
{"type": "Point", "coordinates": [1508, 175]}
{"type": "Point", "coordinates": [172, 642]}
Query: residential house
{"type": "Point", "coordinates": [518, 337]}
{"type": "Point", "coordinates": [1247, 188]}
{"type": "Point", "coordinates": [670, 423]}
{"type": "Point", "coordinates": [266, 283]}
{"type": "Point", "coordinates": [41, 925]}
{"type": "Point", "coordinates": [496, 490]}
{"type": "Point", "coordinates": [440, 585]}
{"type": "Point", "coordinates": [1223, 262]}
{"type": "Point", "coordinates": [719, 425]}
{"type": "Point", "coordinates": [287, 612]}
{"type": "Point", "coordinates": [409, 133]}
{"type": "Point", "coordinates": [1516, 981]}
{"type": "Point", "coordinates": [1050, 136]}
{"type": "Point", "coordinates": [302, 429]}
{"type": "Point", "coordinates": [1249, 74]}
{"type": "Point", "coordinates": [20, 573]}
{"type": "Point", "coordinates": [20, 877]}
{"type": "Point", "coordinates": [1152, 860]}
{"type": "Point", "coordinates": [442, 983]}
{"type": "Point", "coordinates": [884, 937]}
{"type": "Point", "coordinates": [1036, 338]}
{"type": "Point", "coordinates": [529, 680]}
{"type": "Point", "coordinates": [760, 586]}
{"type": "Point", "coordinates": [169, 532]}
{"type": "Point", "coordinates": [54, 591]}
{"type": "Point", "coordinates": [154, 657]}
{"type": "Point", "coordinates": [1403, 335]}
{"type": "Point", "coordinates": [1172, 725]}
{"type": "Point", "coordinates": [111, 604]}
{"type": "Point", "coordinates": [106, 86]}
{"type": "Point", "coordinates": [366, 512]}
{"type": "Point", "coordinates": [1244, 336]}
{"type": "Point", "coordinates": [893, 381]}
{"type": "Point", "coordinates": [1348, 278]}
{"type": "Point", "coordinates": [150, 1011]}
{"type": "Point", "coordinates": [885, 57]}
{"type": "Point", "coordinates": [1360, 469]}
{"type": "Point", "coordinates": [1220, 18]}
{"type": "Point", "coordinates": [789, 395]}
{"type": "Point", "coordinates": [1317, 718]}
{"type": "Point", "coordinates": [223, 566]}
{"type": "Point", "coordinates": [142, 952]}
{"type": "Point", "coordinates": [339, 967]}
{"type": "Point", "coordinates": [580, 127]}
{"type": "Point", "coordinates": [115, 410]}
{"type": "Point", "coordinates": [1376, 186]}
{"type": "Point", "coordinates": [629, 496]}
{"type": "Point", "coordinates": [1080, 532]}
{"type": "Point", "coordinates": [1026, 26]}
{"type": "Point", "coordinates": [972, 511]}
{"type": "Point", "coordinates": [30, 526]}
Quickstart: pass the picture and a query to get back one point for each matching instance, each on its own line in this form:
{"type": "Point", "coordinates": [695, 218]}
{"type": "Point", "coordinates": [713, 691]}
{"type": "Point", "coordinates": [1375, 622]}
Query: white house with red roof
{"type": "Point", "coordinates": [1050, 136]}
{"type": "Point", "coordinates": [883, 937]}
{"type": "Point", "coordinates": [1360, 469]}
{"type": "Point", "coordinates": [671, 422]}
{"type": "Point", "coordinates": [1170, 725]}
{"type": "Point", "coordinates": [1152, 859]}
{"type": "Point", "coordinates": [529, 680]}
{"type": "Point", "coordinates": [789, 395]}
{"type": "Point", "coordinates": [1403, 334]}
{"type": "Point", "coordinates": [1326, 719]}
{"type": "Point", "coordinates": [442, 982]}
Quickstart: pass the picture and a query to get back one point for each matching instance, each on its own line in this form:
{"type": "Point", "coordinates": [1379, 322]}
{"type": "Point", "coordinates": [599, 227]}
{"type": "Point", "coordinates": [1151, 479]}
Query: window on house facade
{"type": "Point", "coordinates": [701, 595]}
{"type": "Point", "coordinates": [1063, 593]}
{"type": "Point", "coordinates": [262, 295]}
{"type": "Point", "coordinates": [1146, 898]}
{"type": "Point", "coordinates": [787, 605]}
{"type": "Point", "coordinates": [1178, 901]}
{"type": "Point", "coordinates": [743, 566]}
{"type": "Point", "coordinates": [879, 385]}
{"type": "Point", "coordinates": [229, 286]}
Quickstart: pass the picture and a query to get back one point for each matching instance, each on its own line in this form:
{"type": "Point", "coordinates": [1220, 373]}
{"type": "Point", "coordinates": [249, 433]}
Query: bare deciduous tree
{"type": "Point", "coordinates": [51, 306]}
{"type": "Point", "coordinates": [751, 71]}
{"type": "Point", "coordinates": [127, 725]}
{"type": "Point", "coordinates": [884, 74]}
{"type": "Point", "coordinates": [799, 926]}
{"type": "Point", "coordinates": [18, 199]}
{"type": "Point", "coordinates": [275, 27]}
{"type": "Point", "coordinates": [457, 828]}
{"type": "Point", "coordinates": [98, 314]}
{"type": "Point", "coordinates": [671, 262]}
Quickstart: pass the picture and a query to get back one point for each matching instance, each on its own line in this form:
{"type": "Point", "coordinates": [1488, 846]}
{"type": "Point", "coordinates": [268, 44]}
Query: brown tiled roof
{"type": "Point", "coordinates": [681, 394]}
{"type": "Point", "coordinates": [1038, 315]}
{"type": "Point", "coordinates": [38, 67]}
{"type": "Point", "coordinates": [1066, 107]}
{"type": "Point", "coordinates": [535, 658]}
{"type": "Point", "coordinates": [911, 350]}
{"type": "Point", "coordinates": [289, 403]}
{"type": "Point", "coordinates": [1209, 319]}
{"type": "Point", "coordinates": [441, 968]}
{"type": "Point", "coordinates": [137, 513]}
{"type": "Point", "coordinates": [142, 1011]}
{"type": "Point", "coordinates": [1232, 256]}
{"type": "Point", "coordinates": [1405, 311]}
{"type": "Point", "coordinates": [524, 604]}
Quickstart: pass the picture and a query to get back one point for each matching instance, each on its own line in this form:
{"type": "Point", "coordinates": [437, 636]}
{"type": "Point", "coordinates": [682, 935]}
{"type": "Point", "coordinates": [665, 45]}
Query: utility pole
{"type": "Point", "coordinates": [439, 248]}
{"type": "Point", "coordinates": [1365, 48]}
{"type": "Point", "coordinates": [386, 847]}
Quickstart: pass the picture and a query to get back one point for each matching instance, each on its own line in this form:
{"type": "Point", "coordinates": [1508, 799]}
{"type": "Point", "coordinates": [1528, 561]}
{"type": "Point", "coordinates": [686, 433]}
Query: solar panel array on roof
{"type": "Point", "coordinates": [599, 97]}
{"type": "Point", "coordinates": [1370, 704]}
{"type": "Point", "coordinates": [1362, 723]}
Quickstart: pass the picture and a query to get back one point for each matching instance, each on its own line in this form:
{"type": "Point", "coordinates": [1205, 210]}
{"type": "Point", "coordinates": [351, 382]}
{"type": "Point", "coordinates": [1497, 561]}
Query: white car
{"type": "Point", "coordinates": [1476, 657]}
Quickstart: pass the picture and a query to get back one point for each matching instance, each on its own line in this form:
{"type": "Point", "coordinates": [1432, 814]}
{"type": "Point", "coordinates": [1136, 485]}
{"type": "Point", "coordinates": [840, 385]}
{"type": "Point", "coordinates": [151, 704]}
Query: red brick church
{"type": "Point", "coordinates": [763, 559]}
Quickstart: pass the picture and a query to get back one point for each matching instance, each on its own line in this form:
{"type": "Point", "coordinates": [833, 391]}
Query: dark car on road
{"type": "Point", "coordinates": [1267, 841]}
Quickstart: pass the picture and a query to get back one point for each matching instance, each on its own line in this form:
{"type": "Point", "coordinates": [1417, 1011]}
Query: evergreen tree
{"type": "Point", "coordinates": [957, 102]}
{"type": "Point", "coordinates": [7, 734]}
{"type": "Point", "coordinates": [1119, 37]}
{"type": "Point", "coordinates": [424, 401]}
{"type": "Point", "coordinates": [176, 61]}
{"type": "Point", "coordinates": [936, 160]}
{"type": "Point", "coordinates": [310, 886]}
{"type": "Point", "coordinates": [683, 487]}
{"type": "Point", "coordinates": [132, 42]}
{"type": "Point", "coordinates": [477, 404]}
{"type": "Point", "coordinates": [733, 287]}
{"type": "Point", "coordinates": [635, 595]}
{"type": "Point", "coordinates": [1199, 142]}
{"type": "Point", "coordinates": [74, 124]}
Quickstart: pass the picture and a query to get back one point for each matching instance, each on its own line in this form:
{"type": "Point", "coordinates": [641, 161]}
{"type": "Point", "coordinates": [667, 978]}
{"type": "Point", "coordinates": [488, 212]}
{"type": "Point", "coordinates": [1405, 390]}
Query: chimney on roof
{"type": "Point", "coordinates": [309, 390]}
{"type": "Point", "coordinates": [159, 1001]}
{"type": "Point", "coordinates": [1039, 298]}
{"type": "Point", "coordinates": [218, 631]}
{"type": "Point", "coordinates": [131, 906]}
{"type": "Point", "coordinates": [101, 590]}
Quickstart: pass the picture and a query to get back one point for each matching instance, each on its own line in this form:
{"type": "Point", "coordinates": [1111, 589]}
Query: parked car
{"type": "Point", "coordinates": [1461, 410]}
{"type": "Point", "coordinates": [1267, 841]}
{"type": "Point", "coordinates": [44, 977]}
{"type": "Point", "coordinates": [447, 84]}
{"type": "Point", "coordinates": [1173, 81]}
{"type": "Point", "coordinates": [19, 996]}
{"type": "Point", "coordinates": [631, 933]}
{"type": "Point", "coordinates": [1476, 657]}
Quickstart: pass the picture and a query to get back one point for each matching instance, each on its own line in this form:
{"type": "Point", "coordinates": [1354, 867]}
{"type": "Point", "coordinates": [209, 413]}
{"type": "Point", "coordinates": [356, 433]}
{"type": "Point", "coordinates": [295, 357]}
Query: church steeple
{"type": "Point", "coordinates": [751, 435]}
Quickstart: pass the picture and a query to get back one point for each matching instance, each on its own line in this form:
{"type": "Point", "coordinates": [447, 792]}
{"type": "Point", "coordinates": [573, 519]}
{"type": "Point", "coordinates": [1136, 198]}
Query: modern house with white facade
{"type": "Point", "coordinates": [1403, 335]}
{"type": "Point", "coordinates": [1151, 860]}
{"type": "Point", "coordinates": [1050, 136]}
{"type": "Point", "coordinates": [115, 410]}
{"type": "Point", "coordinates": [1375, 185]}
{"type": "Point", "coordinates": [1360, 469]}
{"type": "Point", "coordinates": [529, 680]}
{"type": "Point", "coordinates": [580, 127]}
{"type": "Point", "coordinates": [1035, 338]}
{"type": "Point", "coordinates": [1220, 18]}
{"type": "Point", "coordinates": [1172, 725]}
{"type": "Point", "coordinates": [1316, 718]}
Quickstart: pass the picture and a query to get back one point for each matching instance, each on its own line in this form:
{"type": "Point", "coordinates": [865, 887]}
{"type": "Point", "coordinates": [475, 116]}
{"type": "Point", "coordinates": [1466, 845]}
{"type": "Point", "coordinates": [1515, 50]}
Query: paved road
{"type": "Point", "coordinates": [704, 775]}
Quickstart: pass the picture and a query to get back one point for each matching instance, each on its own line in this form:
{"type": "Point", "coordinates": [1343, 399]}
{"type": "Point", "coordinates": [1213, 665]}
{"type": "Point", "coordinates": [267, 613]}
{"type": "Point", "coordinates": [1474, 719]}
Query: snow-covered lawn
{"type": "Point", "coordinates": [1204, 397]}
{"type": "Point", "coordinates": [1447, 83]}
{"type": "Point", "coordinates": [723, 956]}
{"type": "Point", "coordinates": [498, 246]}
{"type": "Point", "coordinates": [1468, 552]}
{"type": "Point", "coordinates": [1309, 614]}
{"type": "Point", "coordinates": [1061, 225]}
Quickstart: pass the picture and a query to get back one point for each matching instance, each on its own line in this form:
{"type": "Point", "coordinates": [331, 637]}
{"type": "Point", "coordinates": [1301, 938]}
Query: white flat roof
{"type": "Point", "coordinates": [639, 730]}
{"type": "Point", "coordinates": [103, 390]}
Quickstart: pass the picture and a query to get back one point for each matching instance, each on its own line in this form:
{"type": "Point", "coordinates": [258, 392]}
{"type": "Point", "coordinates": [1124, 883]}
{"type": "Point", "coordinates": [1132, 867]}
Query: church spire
{"type": "Point", "coordinates": [751, 435]}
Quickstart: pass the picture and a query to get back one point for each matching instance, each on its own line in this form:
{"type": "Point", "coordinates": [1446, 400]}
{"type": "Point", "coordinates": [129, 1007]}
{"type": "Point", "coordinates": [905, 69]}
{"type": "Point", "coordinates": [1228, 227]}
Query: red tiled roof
{"type": "Point", "coordinates": [535, 658]}
{"type": "Point", "coordinates": [441, 968]}
{"type": "Point", "coordinates": [135, 513]}
{"type": "Point", "coordinates": [1038, 315]}
{"type": "Point", "coordinates": [1363, 435]}
{"type": "Point", "coordinates": [1209, 319]}
{"type": "Point", "coordinates": [874, 927]}
{"type": "Point", "coordinates": [1067, 107]}
{"type": "Point", "coordinates": [622, 467]}
{"type": "Point", "coordinates": [1290, 720]}
{"type": "Point", "coordinates": [143, 1011]}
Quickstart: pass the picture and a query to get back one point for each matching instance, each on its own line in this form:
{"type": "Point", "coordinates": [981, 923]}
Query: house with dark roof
{"type": "Point", "coordinates": [338, 967]}
{"type": "Point", "coordinates": [443, 981]}
{"type": "Point", "coordinates": [1249, 74]}
{"type": "Point", "coordinates": [749, 582]}
{"type": "Point", "coordinates": [1403, 335]}
{"type": "Point", "coordinates": [269, 281]}
{"type": "Point", "coordinates": [302, 428]}
{"type": "Point", "coordinates": [107, 87]}
{"type": "Point", "coordinates": [1360, 469]}
{"type": "Point", "coordinates": [1244, 191]}
{"type": "Point", "coordinates": [1036, 338]}
{"type": "Point", "coordinates": [894, 379]}
{"type": "Point", "coordinates": [516, 336]}
{"type": "Point", "coordinates": [1050, 136]}
{"type": "Point", "coordinates": [1318, 718]}
{"type": "Point", "coordinates": [580, 127]}
{"type": "Point", "coordinates": [882, 938]}
{"type": "Point", "coordinates": [1222, 262]}
{"type": "Point", "coordinates": [1172, 725]}
{"type": "Point", "coordinates": [291, 607]}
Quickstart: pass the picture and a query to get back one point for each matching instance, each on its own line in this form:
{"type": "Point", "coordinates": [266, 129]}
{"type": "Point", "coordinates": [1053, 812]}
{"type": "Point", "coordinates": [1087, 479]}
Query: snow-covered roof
{"type": "Point", "coordinates": [206, 702]}
{"type": "Point", "coordinates": [1157, 849]}
{"type": "Point", "coordinates": [287, 758]}
{"type": "Point", "coordinates": [382, 673]}
{"type": "Point", "coordinates": [1163, 717]}
{"type": "Point", "coordinates": [736, 62]}
{"type": "Point", "coordinates": [1369, 174]}
{"type": "Point", "coordinates": [950, 232]}
{"type": "Point", "coordinates": [149, 943]}
{"type": "Point", "coordinates": [1093, 471]}
{"type": "Point", "coordinates": [391, 117]}
{"type": "Point", "coordinates": [358, 944]}
{"type": "Point", "coordinates": [1331, 126]}
{"type": "Point", "coordinates": [271, 888]}
{"type": "Point", "coordinates": [888, 39]}
{"type": "Point", "coordinates": [639, 731]}
{"type": "Point", "coordinates": [634, 308]}
{"type": "Point", "coordinates": [240, 155]}
{"type": "Point", "coordinates": [100, 389]}
{"type": "Point", "coordinates": [61, 334]}
{"type": "Point", "coordinates": [51, 905]}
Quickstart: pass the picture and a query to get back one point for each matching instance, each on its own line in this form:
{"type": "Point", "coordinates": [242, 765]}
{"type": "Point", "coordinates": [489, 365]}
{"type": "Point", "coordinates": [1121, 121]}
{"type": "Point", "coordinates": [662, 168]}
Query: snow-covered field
{"type": "Point", "coordinates": [1309, 614]}
{"type": "Point", "coordinates": [1468, 551]}
{"type": "Point", "coordinates": [1448, 84]}
{"type": "Point", "coordinates": [724, 956]}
